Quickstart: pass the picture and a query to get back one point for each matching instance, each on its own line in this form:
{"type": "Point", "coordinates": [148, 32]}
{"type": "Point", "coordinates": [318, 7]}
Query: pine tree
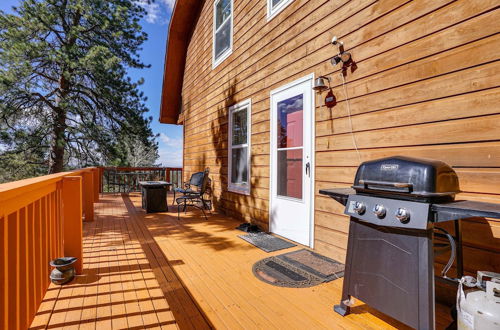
{"type": "Point", "coordinates": [65, 97]}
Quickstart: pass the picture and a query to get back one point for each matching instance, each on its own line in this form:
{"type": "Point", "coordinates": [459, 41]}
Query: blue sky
{"type": "Point", "coordinates": [156, 26]}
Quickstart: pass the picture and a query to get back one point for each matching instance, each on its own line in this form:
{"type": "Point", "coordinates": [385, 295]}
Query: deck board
{"type": "Point", "coordinates": [154, 271]}
{"type": "Point", "coordinates": [121, 287]}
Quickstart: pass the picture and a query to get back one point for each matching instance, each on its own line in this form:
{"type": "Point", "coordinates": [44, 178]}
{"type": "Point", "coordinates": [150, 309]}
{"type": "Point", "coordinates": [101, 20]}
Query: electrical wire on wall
{"type": "Point", "coordinates": [344, 57]}
{"type": "Point", "coordinates": [349, 114]}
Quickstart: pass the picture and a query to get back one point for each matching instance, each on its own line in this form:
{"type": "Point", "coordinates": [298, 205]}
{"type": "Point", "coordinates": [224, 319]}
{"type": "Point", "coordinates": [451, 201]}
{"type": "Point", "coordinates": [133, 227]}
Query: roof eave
{"type": "Point", "coordinates": [181, 24]}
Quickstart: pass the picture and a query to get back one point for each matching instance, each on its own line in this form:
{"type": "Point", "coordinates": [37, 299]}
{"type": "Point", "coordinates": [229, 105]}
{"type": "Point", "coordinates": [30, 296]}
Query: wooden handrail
{"type": "Point", "coordinates": [120, 168]}
{"type": "Point", "coordinates": [40, 220]}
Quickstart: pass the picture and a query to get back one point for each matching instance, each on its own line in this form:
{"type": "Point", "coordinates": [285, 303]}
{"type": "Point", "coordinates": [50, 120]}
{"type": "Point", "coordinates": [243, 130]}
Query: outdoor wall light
{"type": "Point", "coordinates": [343, 57]}
{"type": "Point", "coordinates": [320, 85]}
{"type": "Point", "coordinates": [335, 60]}
{"type": "Point", "coordinates": [336, 41]}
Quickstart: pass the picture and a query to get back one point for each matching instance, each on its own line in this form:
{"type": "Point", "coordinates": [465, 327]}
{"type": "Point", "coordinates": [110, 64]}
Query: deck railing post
{"type": "Point", "coordinates": [101, 179]}
{"type": "Point", "coordinates": [72, 219]}
{"type": "Point", "coordinates": [88, 195]}
{"type": "Point", "coordinates": [95, 173]}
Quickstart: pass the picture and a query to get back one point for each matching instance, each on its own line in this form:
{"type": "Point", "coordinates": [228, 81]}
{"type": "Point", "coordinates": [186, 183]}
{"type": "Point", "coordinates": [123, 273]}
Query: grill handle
{"type": "Point", "coordinates": [387, 186]}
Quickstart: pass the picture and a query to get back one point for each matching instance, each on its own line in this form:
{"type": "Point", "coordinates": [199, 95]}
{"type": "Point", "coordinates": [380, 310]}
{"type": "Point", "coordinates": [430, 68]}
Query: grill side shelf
{"type": "Point", "coordinates": [339, 194]}
{"type": "Point", "coordinates": [465, 209]}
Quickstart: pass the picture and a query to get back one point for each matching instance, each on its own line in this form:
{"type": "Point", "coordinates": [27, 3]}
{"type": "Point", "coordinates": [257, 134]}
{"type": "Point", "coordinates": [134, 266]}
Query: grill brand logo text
{"type": "Point", "coordinates": [389, 167]}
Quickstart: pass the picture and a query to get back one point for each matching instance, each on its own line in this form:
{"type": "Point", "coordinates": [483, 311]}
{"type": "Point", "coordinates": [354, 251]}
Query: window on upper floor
{"type": "Point", "coordinates": [239, 147]}
{"type": "Point", "coordinates": [275, 6]}
{"type": "Point", "coordinates": [223, 31]}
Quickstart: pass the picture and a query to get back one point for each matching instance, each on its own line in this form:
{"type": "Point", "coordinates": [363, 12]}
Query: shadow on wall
{"type": "Point", "coordinates": [201, 162]}
{"type": "Point", "coordinates": [249, 208]}
{"type": "Point", "coordinates": [219, 131]}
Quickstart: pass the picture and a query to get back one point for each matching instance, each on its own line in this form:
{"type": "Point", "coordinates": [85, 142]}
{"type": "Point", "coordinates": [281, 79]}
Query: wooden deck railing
{"type": "Point", "coordinates": [126, 179]}
{"type": "Point", "coordinates": [40, 220]}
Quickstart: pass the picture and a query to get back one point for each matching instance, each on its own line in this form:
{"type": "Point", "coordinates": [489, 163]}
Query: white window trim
{"type": "Point", "coordinates": [271, 13]}
{"type": "Point", "coordinates": [229, 51]}
{"type": "Point", "coordinates": [234, 187]}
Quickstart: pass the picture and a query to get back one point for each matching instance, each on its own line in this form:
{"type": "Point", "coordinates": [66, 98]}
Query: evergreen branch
{"type": "Point", "coordinates": [50, 28]}
{"type": "Point", "coordinates": [45, 100]}
{"type": "Point", "coordinates": [38, 73]}
{"type": "Point", "coordinates": [65, 96]}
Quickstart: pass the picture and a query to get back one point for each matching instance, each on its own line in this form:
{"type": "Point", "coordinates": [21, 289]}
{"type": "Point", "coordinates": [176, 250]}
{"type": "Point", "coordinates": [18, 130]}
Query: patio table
{"type": "Point", "coordinates": [154, 195]}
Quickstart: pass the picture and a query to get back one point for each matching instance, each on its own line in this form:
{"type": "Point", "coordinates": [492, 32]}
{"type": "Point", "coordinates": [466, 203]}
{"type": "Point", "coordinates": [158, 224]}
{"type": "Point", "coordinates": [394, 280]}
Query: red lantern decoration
{"type": "Point", "coordinates": [330, 100]}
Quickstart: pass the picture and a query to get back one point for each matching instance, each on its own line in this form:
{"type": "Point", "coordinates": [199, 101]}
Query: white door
{"type": "Point", "coordinates": [291, 161]}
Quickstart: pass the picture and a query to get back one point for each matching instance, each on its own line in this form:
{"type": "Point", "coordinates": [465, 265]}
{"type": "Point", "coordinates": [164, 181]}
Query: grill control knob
{"type": "Point", "coordinates": [359, 207]}
{"type": "Point", "coordinates": [403, 215]}
{"type": "Point", "coordinates": [379, 211]}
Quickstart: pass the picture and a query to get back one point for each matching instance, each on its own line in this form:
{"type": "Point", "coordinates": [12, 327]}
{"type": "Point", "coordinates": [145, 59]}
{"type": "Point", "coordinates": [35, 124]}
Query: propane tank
{"type": "Point", "coordinates": [479, 309]}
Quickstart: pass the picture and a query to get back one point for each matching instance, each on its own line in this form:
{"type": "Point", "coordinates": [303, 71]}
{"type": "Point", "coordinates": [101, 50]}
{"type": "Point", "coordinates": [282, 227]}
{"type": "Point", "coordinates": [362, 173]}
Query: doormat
{"type": "Point", "coordinates": [298, 269]}
{"type": "Point", "coordinates": [266, 242]}
{"type": "Point", "coordinates": [314, 263]}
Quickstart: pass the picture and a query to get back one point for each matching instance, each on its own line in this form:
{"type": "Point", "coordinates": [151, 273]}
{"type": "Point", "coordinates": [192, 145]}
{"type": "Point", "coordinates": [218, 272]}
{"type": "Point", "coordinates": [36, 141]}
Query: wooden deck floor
{"type": "Point", "coordinates": [151, 270]}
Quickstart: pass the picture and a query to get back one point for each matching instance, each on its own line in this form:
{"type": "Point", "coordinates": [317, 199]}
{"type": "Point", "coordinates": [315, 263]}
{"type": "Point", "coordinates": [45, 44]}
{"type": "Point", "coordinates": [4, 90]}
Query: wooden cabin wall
{"type": "Point", "coordinates": [425, 84]}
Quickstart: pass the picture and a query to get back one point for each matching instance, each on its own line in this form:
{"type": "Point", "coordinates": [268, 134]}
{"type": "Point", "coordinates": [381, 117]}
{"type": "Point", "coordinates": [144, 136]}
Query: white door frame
{"type": "Point", "coordinates": [309, 77]}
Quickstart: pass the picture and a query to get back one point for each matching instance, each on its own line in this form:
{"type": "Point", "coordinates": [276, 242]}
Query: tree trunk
{"type": "Point", "coordinates": [58, 142]}
{"type": "Point", "coordinates": [59, 129]}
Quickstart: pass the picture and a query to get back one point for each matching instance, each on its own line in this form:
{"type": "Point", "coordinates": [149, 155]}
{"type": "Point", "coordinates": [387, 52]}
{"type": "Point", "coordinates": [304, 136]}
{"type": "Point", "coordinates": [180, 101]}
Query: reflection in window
{"type": "Point", "coordinates": [239, 147]}
{"type": "Point", "coordinates": [239, 165]}
{"type": "Point", "coordinates": [290, 119]}
{"type": "Point", "coordinates": [240, 126]}
{"type": "Point", "coordinates": [290, 136]}
{"type": "Point", "coordinates": [275, 6]}
{"type": "Point", "coordinates": [290, 173]}
{"type": "Point", "coordinates": [223, 30]}
{"type": "Point", "coordinates": [276, 2]}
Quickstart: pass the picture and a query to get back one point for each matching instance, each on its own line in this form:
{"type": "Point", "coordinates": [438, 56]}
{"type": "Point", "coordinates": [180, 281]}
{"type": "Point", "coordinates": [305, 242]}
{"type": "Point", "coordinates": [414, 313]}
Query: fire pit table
{"type": "Point", "coordinates": [154, 195]}
{"type": "Point", "coordinates": [393, 207]}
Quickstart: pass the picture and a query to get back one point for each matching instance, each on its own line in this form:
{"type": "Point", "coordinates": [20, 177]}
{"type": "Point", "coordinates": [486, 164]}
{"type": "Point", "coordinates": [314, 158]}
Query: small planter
{"type": "Point", "coordinates": [64, 270]}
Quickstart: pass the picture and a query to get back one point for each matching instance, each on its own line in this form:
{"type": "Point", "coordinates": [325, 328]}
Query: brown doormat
{"type": "Point", "coordinates": [298, 269]}
{"type": "Point", "coordinates": [266, 242]}
{"type": "Point", "coordinates": [314, 263]}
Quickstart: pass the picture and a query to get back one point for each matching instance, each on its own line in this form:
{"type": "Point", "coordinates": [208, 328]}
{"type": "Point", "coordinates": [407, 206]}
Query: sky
{"type": "Point", "coordinates": [155, 24]}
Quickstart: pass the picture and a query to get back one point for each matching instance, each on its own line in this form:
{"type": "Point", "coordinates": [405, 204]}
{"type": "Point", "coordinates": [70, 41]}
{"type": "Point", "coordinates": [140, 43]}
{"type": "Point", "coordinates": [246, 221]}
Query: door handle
{"type": "Point", "coordinates": [308, 169]}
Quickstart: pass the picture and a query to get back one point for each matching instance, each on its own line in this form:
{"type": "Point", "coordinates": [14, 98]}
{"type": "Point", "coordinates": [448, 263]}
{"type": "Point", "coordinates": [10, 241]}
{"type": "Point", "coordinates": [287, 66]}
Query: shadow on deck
{"type": "Point", "coordinates": [153, 271]}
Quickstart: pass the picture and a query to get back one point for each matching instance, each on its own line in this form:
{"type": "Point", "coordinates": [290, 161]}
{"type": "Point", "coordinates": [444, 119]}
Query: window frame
{"type": "Point", "coordinates": [271, 13]}
{"type": "Point", "coordinates": [229, 51]}
{"type": "Point", "coordinates": [238, 187]}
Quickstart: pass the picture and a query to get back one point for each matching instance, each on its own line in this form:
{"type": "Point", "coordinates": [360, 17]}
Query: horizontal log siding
{"type": "Point", "coordinates": [426, 84]}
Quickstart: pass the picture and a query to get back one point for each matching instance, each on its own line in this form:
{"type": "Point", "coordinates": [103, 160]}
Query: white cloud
{"type": "Point", "coordinates": [288, 106]}
{"type": "Point", "coordinates": [170, 151]}
{"type": "Point", "coordinates": [169, 3]}
{"type": "Point", "coordinates": [169, 158]}
{"type": "Point", "coordinates": [171, 142]}
{"type": "Point", "coordinates": [156, 11]}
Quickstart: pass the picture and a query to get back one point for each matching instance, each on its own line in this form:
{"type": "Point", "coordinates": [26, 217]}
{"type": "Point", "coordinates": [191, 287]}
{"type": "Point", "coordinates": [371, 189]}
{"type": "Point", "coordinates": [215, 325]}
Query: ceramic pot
{"type": "Point", "coordinates": [64, 270]}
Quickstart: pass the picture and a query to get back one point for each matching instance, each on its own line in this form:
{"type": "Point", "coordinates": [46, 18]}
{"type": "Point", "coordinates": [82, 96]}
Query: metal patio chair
{"type": "Point", "coordinates": [189, 186]}
{"type": "Point", "coordinates": [195, 198]}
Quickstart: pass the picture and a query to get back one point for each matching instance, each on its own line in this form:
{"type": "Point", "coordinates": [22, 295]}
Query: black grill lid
{"type": "Point", "coordinates": [409, 178]}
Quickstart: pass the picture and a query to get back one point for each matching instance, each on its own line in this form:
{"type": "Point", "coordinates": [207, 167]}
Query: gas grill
{"type": "Point", "coordinates": [393, 206]}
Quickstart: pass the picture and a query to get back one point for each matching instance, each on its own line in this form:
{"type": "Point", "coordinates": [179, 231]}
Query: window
{"type": "Point", "coordinates": [223, 31]}
{"type": "Point", "coordinates": [275, 6]}
{"type": "Point", "coordinates": [239, 147]}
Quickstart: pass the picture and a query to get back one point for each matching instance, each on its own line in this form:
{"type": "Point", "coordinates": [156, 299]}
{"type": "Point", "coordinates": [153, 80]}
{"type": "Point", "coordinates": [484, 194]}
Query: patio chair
{"type": "Point", "coordinates": [194, 182]}
{"type": "Point", "coordinates": [195, 198]}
